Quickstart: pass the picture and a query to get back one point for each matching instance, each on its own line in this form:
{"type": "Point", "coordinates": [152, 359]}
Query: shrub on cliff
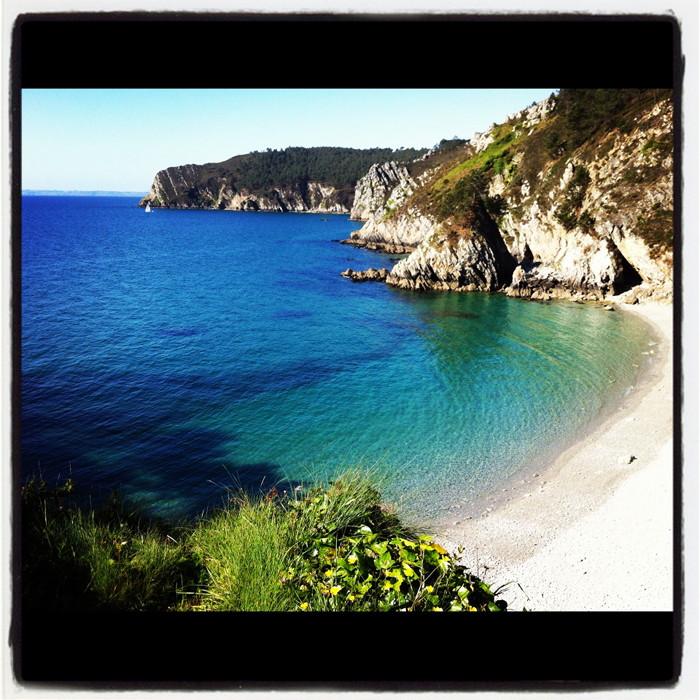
{"type": "Point", "coordinates": [569, 214]}
{"type": "Point", "coordinates": [371, 569]}
{"type": "Point", "coordinates": [466, 197]}
{"type": "Point", "coordinates": [580, 114]}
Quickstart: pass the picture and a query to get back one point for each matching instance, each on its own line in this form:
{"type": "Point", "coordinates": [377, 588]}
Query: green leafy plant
{"type": "Point", "coordinates": [365, 571]}
{"type": "Point", "coordinates": [364, 559]}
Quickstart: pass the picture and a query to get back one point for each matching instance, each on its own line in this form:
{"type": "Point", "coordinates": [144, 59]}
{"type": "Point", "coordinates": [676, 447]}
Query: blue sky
{"type": "Point", "coordinates": [119, 139]}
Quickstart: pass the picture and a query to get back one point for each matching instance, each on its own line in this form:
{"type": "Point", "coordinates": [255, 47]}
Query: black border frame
{"type": "Point", "coordinates": [44, 648]}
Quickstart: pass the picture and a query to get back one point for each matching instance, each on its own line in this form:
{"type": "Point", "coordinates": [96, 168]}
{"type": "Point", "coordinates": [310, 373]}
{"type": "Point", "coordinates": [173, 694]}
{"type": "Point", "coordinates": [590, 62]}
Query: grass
{"type": "Point", "coordinates": [107, 558]}
{"type": "Point", "coordinates": [328, 547]}
{"type": "Point", "coordinates": [244, 553]}
{"type": "Point", "coordinates": [495, 155]}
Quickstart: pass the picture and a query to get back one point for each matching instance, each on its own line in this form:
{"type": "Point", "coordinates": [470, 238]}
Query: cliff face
{"type": "Point", "coordinates": [475, 258]}
{"type": "Point", "coordinates": [318, 179]}
{"type": "Point", "coordinates": [572, 197]}
{"type": "Point", "coordinates": [381, 198]}
{"type": "Point", "coordinates": [618, 233]}
{"type": "Point", "coordinates": [384, 186]}
{"type": "Point", "coordinates": [182, 187]}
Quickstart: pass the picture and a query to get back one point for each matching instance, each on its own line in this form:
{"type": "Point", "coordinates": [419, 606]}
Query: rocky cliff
{"type": "Point", "coordinates": [381, 195]}
{"type": "Point", "coordinates": [385, 186]}
{"type": "Point", "coordinates": [571, 197]}
{"type": "Point", "coordinates": [182, 188]}
{"type": "Point", "coordinates": [293, 179]}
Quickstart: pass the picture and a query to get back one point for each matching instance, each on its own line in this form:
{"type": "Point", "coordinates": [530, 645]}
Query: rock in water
{"type": "Point", "coordinates": [370, 275]}
{"type": "Point", "coordinates": [391, 248]}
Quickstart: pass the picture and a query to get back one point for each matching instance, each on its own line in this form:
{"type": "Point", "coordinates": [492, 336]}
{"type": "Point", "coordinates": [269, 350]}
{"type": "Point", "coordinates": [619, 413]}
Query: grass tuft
{"type": "Point", "coordinates": [243, 549]}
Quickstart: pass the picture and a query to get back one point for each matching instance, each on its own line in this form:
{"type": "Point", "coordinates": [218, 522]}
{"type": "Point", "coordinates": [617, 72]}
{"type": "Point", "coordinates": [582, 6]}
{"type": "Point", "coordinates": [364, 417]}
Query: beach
{"type": "Point", "coordinates": [594, 529]}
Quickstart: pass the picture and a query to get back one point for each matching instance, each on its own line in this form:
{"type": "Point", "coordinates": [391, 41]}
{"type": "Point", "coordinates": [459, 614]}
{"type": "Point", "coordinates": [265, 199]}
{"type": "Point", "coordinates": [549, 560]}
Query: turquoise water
{"type": "Point", "coordinates": [173, 354]}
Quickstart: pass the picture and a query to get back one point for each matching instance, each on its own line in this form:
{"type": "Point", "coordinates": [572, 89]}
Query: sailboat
{"type": "Point", "coordinates": [148, 207]}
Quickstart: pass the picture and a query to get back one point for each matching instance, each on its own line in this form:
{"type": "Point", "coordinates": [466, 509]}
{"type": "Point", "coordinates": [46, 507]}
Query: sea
{"type": "Point", "coordinates": [177, 355]}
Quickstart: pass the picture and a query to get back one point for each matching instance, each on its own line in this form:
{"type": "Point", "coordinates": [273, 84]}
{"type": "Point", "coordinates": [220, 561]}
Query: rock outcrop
{"type": "Point", "coordinates": [391, 248]}
{"type": "Point", "coordinates": [379, 195]}
{"type": "Point", "coordinates": [385, 186]}
{"type": "Point", "coordinates": [475, 259]}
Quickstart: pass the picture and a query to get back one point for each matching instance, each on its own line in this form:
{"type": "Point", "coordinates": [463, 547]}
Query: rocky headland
{"type": "Point", "coordinates": [569, 198]}
{"type": "Point", "coordinates": [320, 180]}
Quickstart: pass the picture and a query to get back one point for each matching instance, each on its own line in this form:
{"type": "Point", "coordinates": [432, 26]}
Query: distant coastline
{"type": "Point", "coordinates": [80, 193]}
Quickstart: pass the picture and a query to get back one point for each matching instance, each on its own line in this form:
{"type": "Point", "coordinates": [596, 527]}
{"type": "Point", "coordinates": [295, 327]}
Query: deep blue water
{"type": "Point", "coordinates": [176, 353]}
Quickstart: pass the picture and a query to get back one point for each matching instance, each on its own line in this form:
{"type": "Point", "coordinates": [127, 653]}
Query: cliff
{"type": "Point", "coordinates": [571, 197]}
{"type": "Point", "coordinates": [381, 195]}
{"type": "Point", "coordinates": [293, 179]}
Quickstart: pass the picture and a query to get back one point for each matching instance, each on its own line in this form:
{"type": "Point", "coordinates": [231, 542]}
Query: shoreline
{"type": "Point", "coordinates": [251, 211]}
{"type": "Point", "coordinates": [574, 537]}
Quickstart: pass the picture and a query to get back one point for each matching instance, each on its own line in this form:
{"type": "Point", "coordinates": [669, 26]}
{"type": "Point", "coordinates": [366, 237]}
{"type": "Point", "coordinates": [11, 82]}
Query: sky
{"type": "Point", "coordinates": [118, 139]}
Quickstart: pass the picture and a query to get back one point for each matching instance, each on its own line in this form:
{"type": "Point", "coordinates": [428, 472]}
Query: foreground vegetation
{"type": "Point", "coordinates": [331, 548]}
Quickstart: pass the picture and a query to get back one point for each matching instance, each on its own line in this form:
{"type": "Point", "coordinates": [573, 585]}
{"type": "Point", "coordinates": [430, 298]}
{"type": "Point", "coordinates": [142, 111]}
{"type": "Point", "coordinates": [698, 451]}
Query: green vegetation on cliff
{"type": "Point", "coordinates": [277, 180]}
{"type": "Point", "coordinates": [329, 548]}
{"type": "Point", "coordinates": [580, 115]}
{"type": "Point", "coordinates": [530, 158]}
{"type": "Point", "coordinates": [569, 213]}
{"type": "Point", "coordinates": [339, 167]}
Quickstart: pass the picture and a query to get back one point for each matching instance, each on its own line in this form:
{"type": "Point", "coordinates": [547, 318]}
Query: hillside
{"type": "Point", "coordinates": [292, 179]}
{"type": "Point", "coordinates": [571, 197]}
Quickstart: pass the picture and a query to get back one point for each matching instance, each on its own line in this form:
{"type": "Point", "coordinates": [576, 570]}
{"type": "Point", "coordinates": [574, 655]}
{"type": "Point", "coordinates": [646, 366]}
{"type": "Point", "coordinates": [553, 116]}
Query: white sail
{"type": "Point", "coordinates": [148, 207]}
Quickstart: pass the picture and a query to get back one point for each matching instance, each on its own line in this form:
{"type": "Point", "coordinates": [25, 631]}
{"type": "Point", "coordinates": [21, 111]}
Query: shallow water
{"type": "Point", "coordinates": [176, 353]}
